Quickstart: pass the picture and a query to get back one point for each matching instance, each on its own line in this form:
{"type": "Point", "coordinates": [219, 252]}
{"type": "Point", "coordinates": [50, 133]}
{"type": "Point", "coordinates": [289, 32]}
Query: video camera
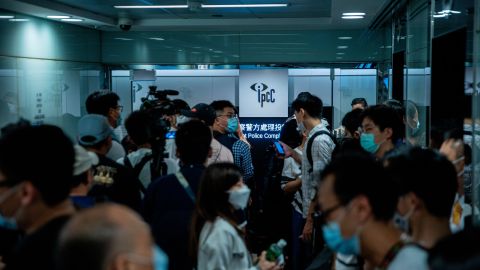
{"type": "Point", "coordinates": [157, 104]}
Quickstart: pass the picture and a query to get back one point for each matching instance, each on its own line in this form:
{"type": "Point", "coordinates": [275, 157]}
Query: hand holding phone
{"type": "Point", "coordinates": [279, 148]}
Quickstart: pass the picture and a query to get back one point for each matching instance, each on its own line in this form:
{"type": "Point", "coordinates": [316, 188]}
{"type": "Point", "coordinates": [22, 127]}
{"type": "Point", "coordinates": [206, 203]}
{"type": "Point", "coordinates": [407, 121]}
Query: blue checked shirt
{"type": "Point", "coordinates": [242, 158]}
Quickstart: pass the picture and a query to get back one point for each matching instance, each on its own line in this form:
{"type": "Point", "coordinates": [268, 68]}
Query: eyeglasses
{"type": "Point", "coordinates": [323, 215]}
{"type": "Point", "coordinates": [228, 115]}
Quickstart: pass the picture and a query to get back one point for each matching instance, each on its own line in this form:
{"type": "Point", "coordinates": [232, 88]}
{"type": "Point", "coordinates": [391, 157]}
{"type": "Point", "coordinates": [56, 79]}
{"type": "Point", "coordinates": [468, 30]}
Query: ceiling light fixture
{"type": "Point", "coordinates": [352, 17]}
{"type": "Point", "coordinates": [156, 38]}
{"type": "Point", "coordinates": [344, 38]}
{"type": "Point", "coordinates": [342, 47]}
{"type": "Point", "coordinates": [72, 20]}
{"type": "Point", "coordinates": [152, 6]}
{"type": "Point", "coordinates": [244, 6]}
{"type": "Point", "coordinates": [19, 20]}
{"type": "Point", "coordinates": [340, 53]}
{"type": "Point", "coordinates": [119, 38]}
{"type": "Point", "coordinates": [6, 17]}
{"type": "Point", "coordinates": [353, 14]}
{"type": "Point", "coordinates": [58, 17]}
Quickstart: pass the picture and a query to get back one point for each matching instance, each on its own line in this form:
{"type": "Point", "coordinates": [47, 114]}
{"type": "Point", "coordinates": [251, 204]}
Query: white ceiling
{"type": "Point", "coordinates": [299, 15]}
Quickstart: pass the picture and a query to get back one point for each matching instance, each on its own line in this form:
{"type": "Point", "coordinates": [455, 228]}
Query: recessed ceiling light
{"type": "Point", "coordinates": [353, 14]}
{"type": "Point", "coordinates": [156, 38]}
{"type": "Point", "coordinates": [440, 15]}
{"type": "Point", "coordinates": [72, 20]}
{"type": "Point", "coordinates": [344, 38]}
{"type": "Point", "coordinates": [119, 38]}
{"type": "Point", "coordinates": [352, 17]}
{"type": "Point", "coordinates": [19, 20]}
{"type": "Point", "coordinates": [340, 53]}
{"type": "Point", "coordinates": [180, 50]}
{"type": "Point", "coordinates": [153, 6]}
{"type": "Point", "coordinates": [6, 17]}
{"type": "Point", "coordinates": [58, 17]}
{"type": "Point", "coordinates": [342, 47]}
{"type": "Point", "coordinates": [339, 57]}
{"type": "Point", "coordinates": [245, 6]}
{"type": "Point", "coordinates": [217, 51]}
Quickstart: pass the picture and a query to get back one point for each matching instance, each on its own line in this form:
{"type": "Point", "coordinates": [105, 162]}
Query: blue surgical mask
{"type": "Point", "coordinates": [334, 239]}
{"type": "Point", "coordinates": [8, 223]}
{"type": "Point", "coordinates": [232, 125]}
{"type": "Point", "coordinates": [160, 260]}
{"type": "Point", "coordinates": [367, 141]}
{"type": "Point", "coordinates": [119, 120]}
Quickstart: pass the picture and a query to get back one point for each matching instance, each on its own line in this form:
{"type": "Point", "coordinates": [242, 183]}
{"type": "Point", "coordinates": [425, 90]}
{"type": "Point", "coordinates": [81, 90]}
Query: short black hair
{"type": "Point", "coordinates": [23, 157]}
{"type": "Point", "coordinates": [138, 125]}
{"type": "Point", "coordinates": [397, 106]}
{"type": "Point", "coordinates": [219, 105]}
{"type": "Point", "coordinates": [429, 175]}
{"type": "Point", "coordinates": [100, 102]}
{"type": "Point", "coordinates": [358, 174]}
{"type": "Point", "coordinates": [79, 179]}
{"type": "Point", "coordinates": [459, 251]}
{"type": "Point", "coordinates": [289, 133]}
{"type": "Point", "coordinates": [180, 105]}
{"type": "Point", "coordinates": [193, 140]}
{"type": "Point", "coordinates": [352, 120]}
{"type": "Point", "coordinates": [386, 117]}
{"type": "Point", "coordinates": [313, 105]}
{"type": "Point", "coordinates": [360, 100]}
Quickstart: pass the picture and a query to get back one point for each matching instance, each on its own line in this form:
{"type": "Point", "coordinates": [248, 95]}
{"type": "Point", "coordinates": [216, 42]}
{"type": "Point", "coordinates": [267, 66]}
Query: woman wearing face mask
{"type": "Point", "coordinates": [216, 240]}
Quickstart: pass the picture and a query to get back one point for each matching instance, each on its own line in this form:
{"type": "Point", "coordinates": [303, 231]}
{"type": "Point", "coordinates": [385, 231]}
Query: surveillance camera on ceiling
{"type": "Point", "coordinates": [125, 24]}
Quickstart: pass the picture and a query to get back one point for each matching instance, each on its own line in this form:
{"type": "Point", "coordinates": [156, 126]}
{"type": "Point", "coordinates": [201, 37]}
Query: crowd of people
{"type": "Point", "coordinates": [175, 192]}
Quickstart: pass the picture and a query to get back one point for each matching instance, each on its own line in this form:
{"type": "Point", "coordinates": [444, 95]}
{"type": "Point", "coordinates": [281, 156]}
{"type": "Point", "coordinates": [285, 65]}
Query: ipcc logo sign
{"type": "Point", "coordinates": [264, 95]}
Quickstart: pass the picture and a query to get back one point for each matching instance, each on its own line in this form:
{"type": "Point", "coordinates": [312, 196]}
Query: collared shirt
{"type": "Point", "coordinates": [322, 148]}
{"type": "Point", "coordinates": [220, 153]}
{"type": "Point", "coordinates": [243, 158]}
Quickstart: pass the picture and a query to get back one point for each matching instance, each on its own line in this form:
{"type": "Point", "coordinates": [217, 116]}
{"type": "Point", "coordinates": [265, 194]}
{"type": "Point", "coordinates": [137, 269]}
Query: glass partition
{"type": "Point", "coordinates": [47, 91]}
{"type": "Point", "coordinates": [476, 114]}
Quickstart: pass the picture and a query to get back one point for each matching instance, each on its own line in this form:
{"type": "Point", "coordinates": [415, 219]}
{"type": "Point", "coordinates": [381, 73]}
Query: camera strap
{"type": "Point", "coordinates": [137, 169]}
{"type": "Point", "coordinates": [181, 179]}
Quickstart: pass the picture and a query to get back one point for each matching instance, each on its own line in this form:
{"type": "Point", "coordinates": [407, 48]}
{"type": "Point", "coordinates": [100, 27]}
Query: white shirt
{"type": "Point", "coordinates": [410, 257]}
{"type": "Point", "coordinates": [145, 175]}
{"type": "Point", "coordinates": [292, 170]}
{"type": "Point", "coordinates": [116, 151]}
{"type": "Point", "coordinates": [220, 153]}
{"type": "Point", "coordinates": [466, 211]}
{"type": "Point", "coordinates": [322, 148]}
{"type": "Point", "coordinates": [222, 248]}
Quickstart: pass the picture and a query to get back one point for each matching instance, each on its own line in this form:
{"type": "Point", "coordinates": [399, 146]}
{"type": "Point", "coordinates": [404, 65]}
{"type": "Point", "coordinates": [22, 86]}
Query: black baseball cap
{"type": "Point", "coordinates": [203, 112]}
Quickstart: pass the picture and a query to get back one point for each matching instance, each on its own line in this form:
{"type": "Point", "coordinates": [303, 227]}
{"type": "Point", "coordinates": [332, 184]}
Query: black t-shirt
{"type": "Point", "coordinates": [168, 209]}
{"type": "Point", "coordinates": [37, 250]}
{"type": "Point", "coordinates": [125, 188]}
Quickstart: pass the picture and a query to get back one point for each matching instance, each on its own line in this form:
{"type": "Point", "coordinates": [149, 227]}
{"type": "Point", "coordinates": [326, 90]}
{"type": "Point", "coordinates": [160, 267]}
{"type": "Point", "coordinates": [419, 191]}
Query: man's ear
{"type": "Point", "coordinates": [28, 193]}
{"type": "Point", "coordinates": [388, 133]}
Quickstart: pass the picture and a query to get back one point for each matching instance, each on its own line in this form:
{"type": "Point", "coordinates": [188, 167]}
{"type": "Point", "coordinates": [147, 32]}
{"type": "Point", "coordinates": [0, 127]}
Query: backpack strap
{"type": "Point", "coordinates": [310, 143]}
{"type": "Point", "coordinates": [138, 168]}
{"type": "Point", "coordinates": [181, 179]}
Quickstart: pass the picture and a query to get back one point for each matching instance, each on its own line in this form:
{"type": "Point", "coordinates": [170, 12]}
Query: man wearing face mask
{"type": "Point", "coordinates": [225, 129]}
{"type": "Point", "coordinates": [107, 103]}
{"type": "Point", "coordinates": [426, 182]}
{"type": "Point", "coordinates": [356, 210]}
{"type": "Point", "coordinates": [175, 118]}
{"type": "Point", "coordinates": [108, 237]}
{"type": "Point", "coordinates": [454, 151]}
{"type": "Point", "coordinates": [34, 191]}
{"type": "Point", "coordinates": [308, 113]}
{"type": "Point", "coordinates": [382, 131]}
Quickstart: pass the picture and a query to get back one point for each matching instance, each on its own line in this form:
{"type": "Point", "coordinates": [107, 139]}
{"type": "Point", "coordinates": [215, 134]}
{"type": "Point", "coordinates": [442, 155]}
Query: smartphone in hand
{"type": "Point", "coordinates": [279, 147]}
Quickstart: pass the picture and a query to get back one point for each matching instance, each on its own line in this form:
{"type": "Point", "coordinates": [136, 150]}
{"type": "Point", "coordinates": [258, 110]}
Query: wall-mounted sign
{"type": "Point", "coordinates": [262, 128]}
{"type": "Point", "coordinates": [263, 93]}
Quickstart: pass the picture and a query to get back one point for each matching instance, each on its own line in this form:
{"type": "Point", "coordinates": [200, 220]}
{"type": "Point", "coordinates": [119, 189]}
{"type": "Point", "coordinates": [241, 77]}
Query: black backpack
{"type": "Point", "coordinates": [138, 168]}
{"type": "Point", "coordinates": [310, 143]}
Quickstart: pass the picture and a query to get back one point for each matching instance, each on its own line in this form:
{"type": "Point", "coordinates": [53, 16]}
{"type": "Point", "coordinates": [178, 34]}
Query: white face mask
{"type": "Point", "coordinates": [238, 198]}
{"type": "Point", "coordinates": [182, 119]}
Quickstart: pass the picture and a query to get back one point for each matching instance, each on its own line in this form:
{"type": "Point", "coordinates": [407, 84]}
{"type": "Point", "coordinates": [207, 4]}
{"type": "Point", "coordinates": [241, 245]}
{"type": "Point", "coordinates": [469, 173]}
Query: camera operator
{"type": "Point", "coordinates": [175, 119]}
{"type": "Point", "coordinates": [139, 127]}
